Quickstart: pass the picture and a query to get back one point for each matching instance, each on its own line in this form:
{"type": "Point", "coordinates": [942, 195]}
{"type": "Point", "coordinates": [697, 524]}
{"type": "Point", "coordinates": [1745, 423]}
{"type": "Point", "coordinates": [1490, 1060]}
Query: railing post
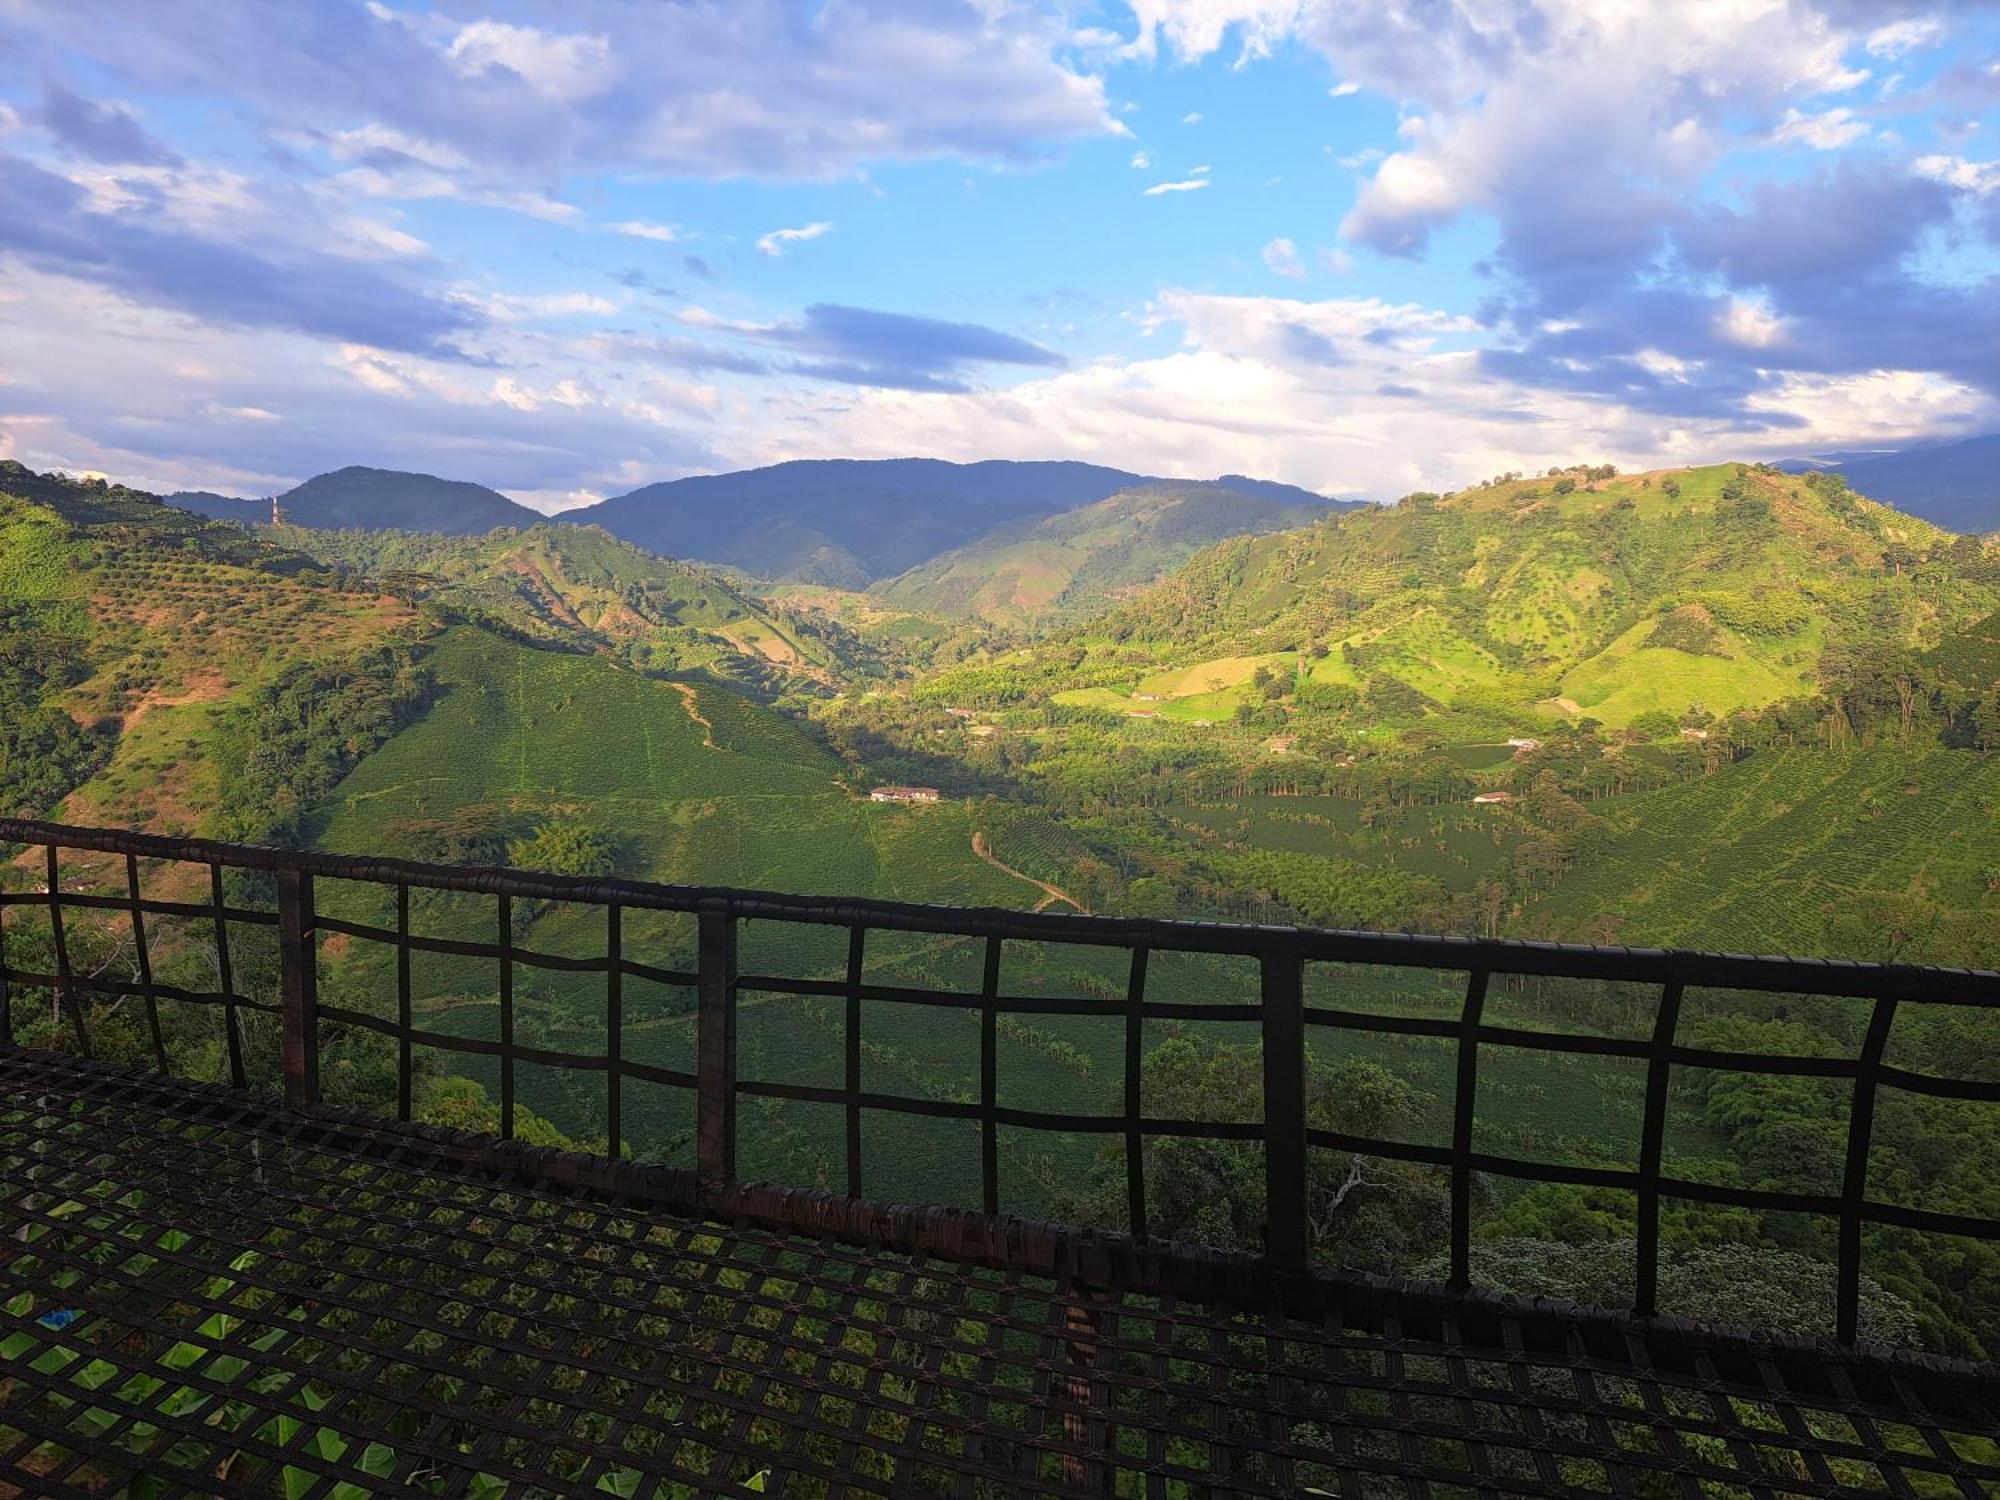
{"type": "Point", "coordinates": [715, 1050]}
{"type": "Point", "coordinates": [1284, 1027]}
{"type": "Point", "coordinates": [1854, 1181]}
{"type": "Point", "coordinates": [66, 994]}
{"type": "Point", "coordinates": [1652, 1148]}
{"type": "Point", "coordinates": [6, 996]}
{"type": "Point", "coordinates": [1463, 1110]}
{"type": "Point", "coordinates": [298, 997]}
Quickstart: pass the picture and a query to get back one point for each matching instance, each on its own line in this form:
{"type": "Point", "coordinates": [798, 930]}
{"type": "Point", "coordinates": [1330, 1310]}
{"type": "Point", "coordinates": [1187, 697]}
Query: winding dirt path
{"type": "Point", "coordinates": [692, 703]}
{"type": "Point", "coordinates": [1054, 893]}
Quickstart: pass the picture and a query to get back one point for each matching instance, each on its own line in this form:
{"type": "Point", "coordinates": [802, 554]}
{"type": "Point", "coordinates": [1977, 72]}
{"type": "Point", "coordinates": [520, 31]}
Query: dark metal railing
{"type": "Point", "coordinates": [1281, 1016]}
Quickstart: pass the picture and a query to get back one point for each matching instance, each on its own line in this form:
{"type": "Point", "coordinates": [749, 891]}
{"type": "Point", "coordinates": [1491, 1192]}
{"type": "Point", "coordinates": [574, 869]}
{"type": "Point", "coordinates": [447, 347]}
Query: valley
{"type": "Point", "coordinates": [1722, 708]}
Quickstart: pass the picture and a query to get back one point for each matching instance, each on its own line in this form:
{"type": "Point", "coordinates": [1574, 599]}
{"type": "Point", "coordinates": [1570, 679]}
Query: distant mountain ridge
{"type": "Point", "coordinates": [1066, 567]}
{"type": "Point", "coordinates": [1955, 485]}
{"type": "Point", "coordinates": [361, 498]}
{"type": "Point", "coordinates": [847, 523]}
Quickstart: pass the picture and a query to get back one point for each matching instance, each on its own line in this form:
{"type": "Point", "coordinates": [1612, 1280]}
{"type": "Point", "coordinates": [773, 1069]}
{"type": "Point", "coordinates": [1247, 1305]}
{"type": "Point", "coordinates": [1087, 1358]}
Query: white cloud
{"type": "Point", "coordinates": [1828, 130]}
{"type": "Point", "coordinates": [712, 89]}
{"type": "Point", "coordinates": [1342, 396]}
{"type": "Point", "coordinates": [1195, 28]}
{"type": "Point", "coordinates": [1192, 184]}
{"type": "Point", "coordinates": [1337, 261]}
{"type": "Point", "coordinates": [774, 243]}
{"type": "Point", "coordinates": [1366, 157]}
{"type": "Point", "coordinates": [1559, 116]}
{"type": "Point", "coordinates": [163, 401]}
{"type": "Point", "coordinates": [512, 309]}
{"type": "Point", "coordinates": [391, 163]}
{"type": "Point", "coordinates": [642, 229]}
{"type": "Point", "coordinates": [1750, 324]}
{"type": "Point", "coordinates": [1142, 159]}
{"type": "Point", "coordinates": [565, 68]}
{"type": "Point", "coordinates": [1281, 257]}
{"type": "Point", "coordinates": [1900, 38]}
{"type": "Point", "coordinates": [1192, 117]}
{"type": "Point", "coordinates": [1200, 171]}
{"type": "Point", "coordinates": [1955, 171]}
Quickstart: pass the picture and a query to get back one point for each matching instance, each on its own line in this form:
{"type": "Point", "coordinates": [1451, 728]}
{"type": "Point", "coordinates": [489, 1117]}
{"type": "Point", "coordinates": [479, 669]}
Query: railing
{"type": "Point", "coordinates": [1280, 1016]}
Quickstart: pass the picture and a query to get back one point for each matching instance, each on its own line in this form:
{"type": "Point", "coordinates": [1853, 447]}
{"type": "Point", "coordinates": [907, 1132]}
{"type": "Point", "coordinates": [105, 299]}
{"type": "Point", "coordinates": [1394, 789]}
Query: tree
{"type": "Point", "coordinates": [1739, 1285]}
{"type": "Point", "coordinates": [1362, 1212]}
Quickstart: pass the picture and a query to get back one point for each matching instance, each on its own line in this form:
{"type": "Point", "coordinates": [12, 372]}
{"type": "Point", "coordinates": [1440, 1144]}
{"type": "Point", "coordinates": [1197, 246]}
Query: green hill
{"type": "Point", "coordinates": [578, 586]}
{"type": "Point", "coordinates": [1068, 567]}
{"type": "Point", "coordinates": [136, 633]}
{"type": "Point", "coordinates": [1567, 597]}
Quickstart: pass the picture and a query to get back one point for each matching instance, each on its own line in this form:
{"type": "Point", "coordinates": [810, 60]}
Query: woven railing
{"type": "Point", "coordinates": [1278, 1014]}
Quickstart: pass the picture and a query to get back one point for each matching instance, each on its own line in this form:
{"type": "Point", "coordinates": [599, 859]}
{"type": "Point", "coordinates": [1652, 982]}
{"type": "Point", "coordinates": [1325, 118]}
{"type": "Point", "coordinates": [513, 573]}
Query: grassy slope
{"type": "Point", "coordinates": [526, 731]}
{"type": "Point", "coordinates": [1512, 594]}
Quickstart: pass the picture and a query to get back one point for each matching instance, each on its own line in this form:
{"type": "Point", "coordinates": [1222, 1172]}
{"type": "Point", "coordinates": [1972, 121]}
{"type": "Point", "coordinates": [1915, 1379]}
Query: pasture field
{"type": "Point", "coordinates": [1629, 678]}
{"type": "Point", "coordinates": [1211, 677]}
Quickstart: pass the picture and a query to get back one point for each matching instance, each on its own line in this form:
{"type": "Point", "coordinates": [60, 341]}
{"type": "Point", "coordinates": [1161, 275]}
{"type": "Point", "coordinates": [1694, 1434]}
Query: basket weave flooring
{"type": "Point", "coordinates": [227, 1300]}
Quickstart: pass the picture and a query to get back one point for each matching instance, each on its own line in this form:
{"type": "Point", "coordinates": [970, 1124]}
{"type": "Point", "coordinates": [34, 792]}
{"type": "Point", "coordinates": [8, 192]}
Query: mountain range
{"type": "Point", "coordinates": [842, 522]}
{"type": "Point", "coordinates": [1955, 485]}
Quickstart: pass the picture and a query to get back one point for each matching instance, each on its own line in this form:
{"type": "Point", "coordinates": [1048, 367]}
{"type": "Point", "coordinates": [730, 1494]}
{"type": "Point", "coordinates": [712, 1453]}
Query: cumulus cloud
{"type": "Point", "coordinates": [1980, 177]}
{"type": "Point", "coordinates": [141, 252]}
{"type": "Point", "coordinates": [707, 88]}
{"type": "Point", "coordinates": [774, 243]}
{"type": "Point", "coordinates": [1828, 130]}
{"type": "Point", "coordinates": [170, 402]}
{"type": "Point", "coordinates": [1599, 141]}
{"type": "Point", "coordinates": [1342, 395]}
{"type": "Point", "coordinates": [1899, 38]}
{"type": "Point", "coordinates": [1281, 257]}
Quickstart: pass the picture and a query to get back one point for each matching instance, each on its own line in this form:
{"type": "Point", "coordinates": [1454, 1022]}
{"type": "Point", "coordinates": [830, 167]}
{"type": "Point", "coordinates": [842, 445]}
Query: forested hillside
{"type": "Point", "coordinates": [849, 523]}
{"type": "Point", "coordinates": [578, 586]}
{"type": "Point", "coordinates": [1075, 565]}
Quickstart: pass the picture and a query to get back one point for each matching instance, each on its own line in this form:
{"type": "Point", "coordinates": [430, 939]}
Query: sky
{"type": "Point", "coordinates": [1363, 246]}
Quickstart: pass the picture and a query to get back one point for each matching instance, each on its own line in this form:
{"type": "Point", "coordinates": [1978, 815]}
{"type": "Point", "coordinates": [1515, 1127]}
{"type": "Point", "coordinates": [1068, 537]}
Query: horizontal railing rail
{"type": "Point", "coordinates": [1276, 1008]}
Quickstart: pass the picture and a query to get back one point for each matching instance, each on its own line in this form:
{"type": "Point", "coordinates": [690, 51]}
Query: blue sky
{"type": "Point", "coordinates": [566, 249]}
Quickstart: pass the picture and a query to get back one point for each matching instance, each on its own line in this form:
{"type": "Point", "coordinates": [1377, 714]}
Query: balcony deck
{"type": "Point", "coordinates": [232, 1299]}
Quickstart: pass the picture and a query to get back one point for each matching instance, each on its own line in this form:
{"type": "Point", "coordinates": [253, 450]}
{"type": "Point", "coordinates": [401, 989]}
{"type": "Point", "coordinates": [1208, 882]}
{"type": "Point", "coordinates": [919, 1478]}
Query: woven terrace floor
{"type": "Point", "coordinates": [205, 1296]}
